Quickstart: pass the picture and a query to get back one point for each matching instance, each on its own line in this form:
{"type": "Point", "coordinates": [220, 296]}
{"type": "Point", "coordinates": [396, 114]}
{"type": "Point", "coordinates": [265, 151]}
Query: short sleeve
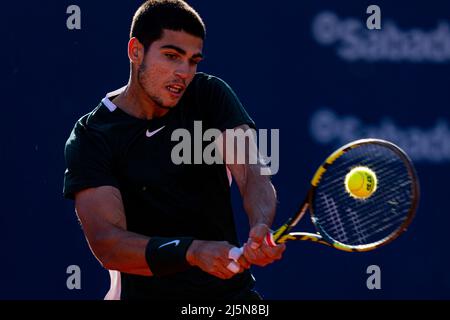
{"type": "Point", "coordinates": [89, 161]}
{"type": "Point", "coordinates": [224, 110]}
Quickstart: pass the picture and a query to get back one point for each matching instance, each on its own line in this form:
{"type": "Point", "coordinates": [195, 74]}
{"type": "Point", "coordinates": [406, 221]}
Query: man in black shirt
{"type": "Point", "coordinates": [164, 230]}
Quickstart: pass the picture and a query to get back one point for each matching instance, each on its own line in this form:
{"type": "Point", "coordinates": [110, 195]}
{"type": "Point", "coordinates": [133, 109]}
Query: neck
{"type": "Point", "coordinates": [135, 101]}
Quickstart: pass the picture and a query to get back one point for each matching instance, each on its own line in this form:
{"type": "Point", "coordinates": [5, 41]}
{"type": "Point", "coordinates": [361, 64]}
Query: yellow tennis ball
{"type": "Point", "coordinates": [361, 182]}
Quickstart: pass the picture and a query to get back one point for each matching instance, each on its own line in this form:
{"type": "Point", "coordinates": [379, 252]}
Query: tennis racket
{"type": "Point", "coordinates": [345, 222]}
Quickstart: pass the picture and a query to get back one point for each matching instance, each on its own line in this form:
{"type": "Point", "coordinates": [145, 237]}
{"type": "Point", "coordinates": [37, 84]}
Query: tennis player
{"type": "Point", "coordinates": [164, 230]}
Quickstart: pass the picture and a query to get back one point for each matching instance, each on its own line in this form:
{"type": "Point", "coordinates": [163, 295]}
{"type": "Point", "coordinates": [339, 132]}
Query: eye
{"type": "Point", "coordinates": [195, 62]}
{"type": "Point", "coordinates": [171, 56]}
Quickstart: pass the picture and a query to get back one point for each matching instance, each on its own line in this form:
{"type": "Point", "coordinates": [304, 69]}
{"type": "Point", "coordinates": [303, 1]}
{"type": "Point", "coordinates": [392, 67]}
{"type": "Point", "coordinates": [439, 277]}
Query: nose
{"type": "Point", "coordinates": [183, 71]}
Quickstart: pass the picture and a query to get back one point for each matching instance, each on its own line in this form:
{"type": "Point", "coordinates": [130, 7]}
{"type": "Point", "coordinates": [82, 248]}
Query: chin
{"type": "Point", "coordinates": [165, 103]}
{"type": "Point", "coordinates": [168, 105]}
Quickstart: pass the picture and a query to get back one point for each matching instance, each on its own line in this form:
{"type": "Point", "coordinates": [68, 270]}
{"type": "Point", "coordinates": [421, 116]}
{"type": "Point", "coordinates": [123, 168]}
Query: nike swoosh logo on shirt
{"type": "Point", "coordinates": [176, 242]}
{"type": "Point", "coordinates": [152, 133]}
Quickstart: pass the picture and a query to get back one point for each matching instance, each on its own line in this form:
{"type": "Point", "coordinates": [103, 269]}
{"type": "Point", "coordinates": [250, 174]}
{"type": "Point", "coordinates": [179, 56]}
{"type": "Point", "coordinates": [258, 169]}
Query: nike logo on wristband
{"type": "Point", "coordinates": [176, 242]}
{"type": "Point", "coordinates": [152, 133]}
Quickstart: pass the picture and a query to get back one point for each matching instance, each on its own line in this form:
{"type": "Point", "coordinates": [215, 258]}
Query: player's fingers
{"type": "Point", "coordinates": [257, 234]}
{"type": "Point", "coordinates": [278, 254]}
{"type": "Point", "coordinates": [222, 271]}
{"type": "Point", "coordinates": [274, 253]}
{"type": "Point", "coordinates": [249, 253]}
{"type": "Point", "coordinates": [233, 266]}
{"type": "Point", "coordinates": [220, 275]}
{"type": "Point", "coordinates": [232, 262]}
{"type": "Point", "coordinates": [243, 262]}
{"type": "Point", "coordinates": [257, 257]}
{"type": "Point", "coordinates": [264, 255]}
{"type": "Point", "coordinates": [230, 269]}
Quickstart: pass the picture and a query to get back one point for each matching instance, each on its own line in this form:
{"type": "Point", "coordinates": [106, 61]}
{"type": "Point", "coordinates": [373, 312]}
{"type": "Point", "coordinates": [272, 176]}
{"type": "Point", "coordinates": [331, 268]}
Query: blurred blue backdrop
{"type": "Point", "coordinates": [309, 68]}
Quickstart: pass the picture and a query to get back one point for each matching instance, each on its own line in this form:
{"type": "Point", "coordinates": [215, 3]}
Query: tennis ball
{"type": "Point", "coordinates": [361, 182]}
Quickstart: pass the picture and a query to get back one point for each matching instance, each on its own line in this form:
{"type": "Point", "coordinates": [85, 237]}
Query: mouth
{"type": "Point", "coordinates": [176, 89]}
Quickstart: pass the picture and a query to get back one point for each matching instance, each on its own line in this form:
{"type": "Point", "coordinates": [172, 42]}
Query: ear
{"type": "Point", "coordinates": [135, 51]}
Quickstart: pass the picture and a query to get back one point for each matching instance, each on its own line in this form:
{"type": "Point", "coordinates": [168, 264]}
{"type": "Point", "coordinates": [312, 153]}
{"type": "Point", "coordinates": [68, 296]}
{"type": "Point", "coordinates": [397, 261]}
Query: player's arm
{"type": "Point", "coordinates": [259, 200]}
{"type": "Point", "coordinates": [102, 216]}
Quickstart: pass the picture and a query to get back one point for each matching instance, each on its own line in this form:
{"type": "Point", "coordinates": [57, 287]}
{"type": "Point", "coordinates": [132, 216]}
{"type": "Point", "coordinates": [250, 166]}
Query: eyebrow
{"type": "Point", "coordinates": [181, 51]}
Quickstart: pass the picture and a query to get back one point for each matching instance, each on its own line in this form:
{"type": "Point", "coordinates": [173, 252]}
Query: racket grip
{"type": "Point", "coordinates": [235, 253]}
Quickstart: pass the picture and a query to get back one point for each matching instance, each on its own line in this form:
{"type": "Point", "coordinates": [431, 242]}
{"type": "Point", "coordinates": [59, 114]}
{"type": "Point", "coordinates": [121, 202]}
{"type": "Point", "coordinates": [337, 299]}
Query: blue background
{"type": "Point", "coordinates": [288, 77]}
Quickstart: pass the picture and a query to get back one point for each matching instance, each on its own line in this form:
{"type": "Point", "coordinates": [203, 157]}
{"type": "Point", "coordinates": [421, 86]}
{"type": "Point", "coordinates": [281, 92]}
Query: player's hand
{"type": "Point", "coordinates": [212, 257]}
{"type": "Point", "coordinates": [259, 252]}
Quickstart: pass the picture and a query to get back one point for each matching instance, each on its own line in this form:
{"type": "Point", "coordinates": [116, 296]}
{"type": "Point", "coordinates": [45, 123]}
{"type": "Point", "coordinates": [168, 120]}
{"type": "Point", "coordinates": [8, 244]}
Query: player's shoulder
{"type": "Point", "coordinates": [97, 118]}
{"type": "Point", "coordinates": [96, 123]}
{"type": "Point", "coordinates": [205, 80]}
{"type": "Point", "coordinates": [103, 117]}
{"type": "Point", "coordinates": [209, 85]}
{"type": "Point", "coordinates": [205, 77]}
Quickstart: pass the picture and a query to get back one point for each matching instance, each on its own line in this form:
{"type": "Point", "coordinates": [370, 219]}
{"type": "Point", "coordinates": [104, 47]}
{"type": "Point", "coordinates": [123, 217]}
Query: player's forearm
{"type": "Point", "coordinates": [259, 198]}
{"type": "Point", "coordinates": [123, 251]}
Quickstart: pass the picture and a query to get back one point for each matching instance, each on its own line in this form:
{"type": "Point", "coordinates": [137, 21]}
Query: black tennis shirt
{"type": "Point", "coordinates": [108, 147]}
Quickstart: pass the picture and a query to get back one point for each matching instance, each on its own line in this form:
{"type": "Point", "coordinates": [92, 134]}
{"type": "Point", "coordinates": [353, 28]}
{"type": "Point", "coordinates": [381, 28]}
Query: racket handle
{"type": "Point", "coordinates": [235, 253]}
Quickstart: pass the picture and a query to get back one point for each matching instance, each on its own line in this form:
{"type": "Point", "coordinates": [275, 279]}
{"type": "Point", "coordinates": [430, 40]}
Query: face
{"type": "Point", "coordinates": [169, 66]}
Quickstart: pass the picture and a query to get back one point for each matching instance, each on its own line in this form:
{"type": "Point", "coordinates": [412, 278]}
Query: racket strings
{"type": "Point", "coordinates": [358, 222]}
{"type": "Point", "coordinates": [354, 216]}
{"type": "Point", "coordinates": [376, 221]}
{"type": "Point", "coordinates": [365, 221]}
